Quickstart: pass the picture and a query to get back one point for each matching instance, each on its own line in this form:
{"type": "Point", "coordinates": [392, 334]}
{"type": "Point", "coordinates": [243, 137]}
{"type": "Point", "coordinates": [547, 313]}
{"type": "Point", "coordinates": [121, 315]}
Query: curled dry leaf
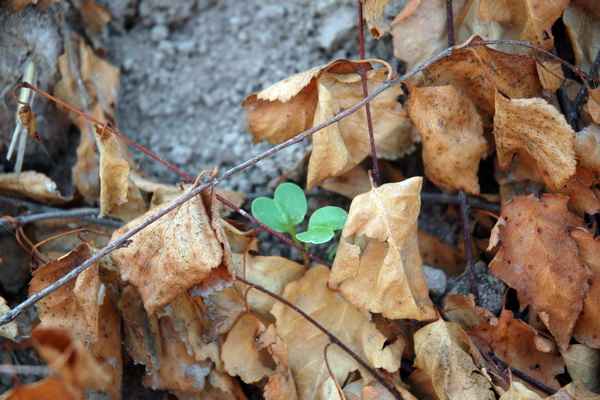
{"type": "Point", "coordinates": [587, 328]}
{"type": "Point", "coordinates": [241, 354]}
{"type": "Point", "coordinates": [373, 14]}
{"type": "Point", "coordinates": [551, 74]}
{"type": "Point", "coordinates": [84, 309]}
{"type": "Point", "coordinates": [480, 71]}
{"type": "Point", "coordinates": [582, 189]}
{"type": "Point", "coordinates": [583, 29]}
{"type": "Point", "coordinates": [306, 344]}
{"type": "Point", "coordinates": [32, 185]}
{"type": "Point", "coordinates": [515, 343]}
{"type": "Point", "coordinates": [440, 254]}
{"type": "Point", "coordinates": [377, 266]}
{"type": "Point", "coordinates": [536, 129]}
{"type": "Point", "coordinates": [518, 391]}
{"type": "Point", "coordinates": [10, 330]}
{"type": "Point", "coordinates": [539, 259]}
{"type": "Point", "coordinates": [452, 135]}
{"type": "Point", "coordinates": [574, 391]}
{"type": "Point", "coordinates": [281, 385]}
{"type": "Point", "coordinates": [75, 365]}
{"type": "Point", "coordinates": [46, 389]}
{"type": "Point", "coordinates": [462, 310]}
{"type": "Point", "coordinates": [97, 96]}
{"type": "Point", "coordinates": [443, 354]}
{"type": "Point", "coordinates": [350, 184]}
{"type": "Point", "coordinates": [583, 364]}
{"type": "Point", "coordinates": [184, 249]}
{"type": "Point", "coordinates": [587, 147]}
{"type": "Point", "coordinates": [169, 343]}
{"type": "Point", "coordinates": [314, 96]}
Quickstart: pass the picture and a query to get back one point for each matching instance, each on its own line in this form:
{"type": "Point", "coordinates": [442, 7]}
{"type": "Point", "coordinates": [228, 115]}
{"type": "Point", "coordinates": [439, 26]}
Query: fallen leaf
{"type": "Point", "coordinates": [46, 389]}
{"type": "Point", "coordinates": [463, 310]}
{"type": "Point", "coordinates": [440, 254]}
{"type": "Point", "coordinates": [314, 96]}
{"type": "Point", "coordinates": [583, 364]}
{"type": "Point", "coordinates": [377, 266]}
{"type": "Point", "coordinates": [10, 330]}
{"type": "Point", "coordinates": [515, 343]}
{"type": "Point", "coordinates": [538, 130]}
{"type": "Point", "coordinates": [186, 248]}
{"type": "Point", "coordinates": [306, 344]}
{"type": "Point", "coordinates": [574, 391]}
{"type": "Point", "coordinates": [350, 184]}
{"type": "Point", "coordinates": [32, 185]}
{"type": "Point", "coordinates": [518, 391]}
{"type": "Point", "coordinates": [452, 135]}
{"type": "Point", "coordinates": [373, 14]}
{"type": "Point", "coordinates": [281, 384]}
{"type": "Point", "coordinates": [539, 259]}
{"type": "Point", "coordinates": [583, 193]}
{"type": "Point", "coordinates": [592, 106]}
{"type": "Point", "coordinates": [71, 361]}
{"type": "Point", "coordinates": [240, 353]}
{"type": "Point", "coordinates": [550, 74]}
{"type": "Point", "coordinates": [358, 390]}
{"type": "Point", "coordinates": [587, 328]}
{"type": "Point", "coordinates": [19, 5]}
{"type": "Point", "coordinates": [587, 147]}
{"type": "Point", "coordinates": [583, 29]}
{"type": "Point", "coordinates": [479, 71]}
{"type": "Point", "coordinates": [95, 16]}
{"type": "Point", "coordinates": [442, 352]}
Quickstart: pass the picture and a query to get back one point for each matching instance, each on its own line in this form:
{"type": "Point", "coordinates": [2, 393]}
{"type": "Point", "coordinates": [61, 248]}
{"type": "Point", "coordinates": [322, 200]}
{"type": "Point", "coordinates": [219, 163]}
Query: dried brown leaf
{"type": "Point", "coordinates": [550, 74]}
{"type": "Point", "coordinates": [443, 353]}
{"type": "Point", "coordinates": [305, 343]}
{"type": "Point", "coordinates": [184, 249]}
{"type": "Point", "coordinates": [518, 391]}
{"type": "Point", "coordinates": [574, 391]}
{"type": "Point", "coordinates": [10, 330]}
{"type": "Point", "coordinates": [350, 184]}
{"type": "Point", "coordinates": [452, 135]}
{"type": "Point", "coordinates": [437, 253]}
{"type": "Point", "coordinates": [378, 267]}
{"type": "Point", "coordinates": [94, 15]}
{"type": "Point", "coordinates": [462, 310]}
{"type": "Point", "coordinates": [583, 29]}
{"type": "Point", "coordinates": [583, 364]}
{"type": "Point", "coordinates": [47, 389]}
{"type": "Point", "coordinates": [32, 185]}
{"type": "Point", "coordinates": [535, 128]}
{"type": "Point", "coordinates": [373, 14]}
{"type": "Point", "coordinates": [583, 193]}
{"type": "Point", "coordinates": [515, 343]}
{"type": "Point", "coordinates": [587, 147]}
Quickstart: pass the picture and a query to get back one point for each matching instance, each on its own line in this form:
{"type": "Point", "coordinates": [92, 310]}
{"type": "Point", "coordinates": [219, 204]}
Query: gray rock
{"type": "Point", "coordinates": [436, 280]}
{"type": "Point", "coordinates": [490, 290]}
{"type": "Point", "coordinates": [337, 28]}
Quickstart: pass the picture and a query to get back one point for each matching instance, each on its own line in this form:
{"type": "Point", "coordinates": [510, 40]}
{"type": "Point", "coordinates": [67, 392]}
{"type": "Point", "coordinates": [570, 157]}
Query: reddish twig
{"type": "Point", "coordinates": [183, 198]}
{"type": "Point", "coordinates": [450, 22]}
{"type": "Point", "coordinates": [332, 338]}
{"type": "Point", "coordinates": [365, 89]}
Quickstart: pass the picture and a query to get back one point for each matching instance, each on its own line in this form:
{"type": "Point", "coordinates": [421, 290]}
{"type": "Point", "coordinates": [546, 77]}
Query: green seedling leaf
{"type": "Point", "coordinates": [316, 235]}
{"type": "Point", "coordinates": [331, 217]}
{"type": "Point", "coordinates": [292, 200]}
{"type": "Point", "coordinates": [267, 211]}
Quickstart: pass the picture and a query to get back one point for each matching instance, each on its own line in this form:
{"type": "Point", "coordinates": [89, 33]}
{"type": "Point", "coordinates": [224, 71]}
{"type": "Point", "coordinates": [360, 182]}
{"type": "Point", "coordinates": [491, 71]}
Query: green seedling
{"type": "Point", "coordinates": [288, 208]}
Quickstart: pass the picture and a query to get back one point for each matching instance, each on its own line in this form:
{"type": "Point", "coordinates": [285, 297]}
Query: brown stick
{"type": "Point", "coordinates": [388, 385]}
{"type": "Point", "coordinates": [365, 89]}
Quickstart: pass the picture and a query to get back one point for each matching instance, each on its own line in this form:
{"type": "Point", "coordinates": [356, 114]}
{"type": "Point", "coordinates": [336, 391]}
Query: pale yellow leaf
{"type": "Point", "coordinates": [32, 185]}
{"type": "Point", "coordinates": [518, 391]}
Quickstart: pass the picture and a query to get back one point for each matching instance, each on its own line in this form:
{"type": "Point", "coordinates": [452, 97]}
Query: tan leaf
{"type": "Point", "coordinates": [72, 362]}
{"type": "Point", "coordinates": [462, 310]}
{"type": "Point", "coordinates": [240, 353]}
{"type": "Point", "coordinates": [587, 328]}
{"type": "Point", "coordinates": [47, 389]}
{"type": "Point", "coordinates": [10, 330]}
{"type": "Point", "coordinates": [373, 14]}
{"type": "Point", "coordinates": [185, 248]}
{"type": "Point", "coordinates": [518, 391]}
{"type": "Point", "coordinates": [281, 385]}
{"type": "Point", "coordinates": [437, 253]}
{"type": "Point", "coordinates": [306, 344]}
{"type": "Point", "coordinates": [32, 185]}
{"type": "Point", "coordinates": [550, 74]}
{"type": "Point", "coordinates": [101, 83]}
{"type": "Point", "coordinates": [540, 260]}
{"type": "Point", "coordinates": [350, 184]}
{"type": "Point", "coordinates": [167, 343]}
{"type": "Point", "coordinates": [584, 196]}
{"type": "Point", "coordinates": [574, 391]}
{"type": "Point", "coordinates": [583, 364]}
{"type": "Point", "coordinates": [587, 147]}
{"type": "Point", "coordinates": [515, 343]}
{"type": "Point", "coordinates": [377, 266]}
{"type": "Point", "coordinates": [537, 129]}
{"type": "Point", "coordinates": [583, 29]}
{"type": "Point", "coordinates": [593, 105]}
{"type": "Point", "coordinates": [94, 15]}
{"type": "Point", "coordinates": [314, 96]}
{"type": "Point", "coordinates": [442, 353]}
{"type": "Point", "coordinates": [272, 273]}
{"type": "Point", "coordinates": [452, 135]}
{"type": "Point", "coordinates": [479, 71]}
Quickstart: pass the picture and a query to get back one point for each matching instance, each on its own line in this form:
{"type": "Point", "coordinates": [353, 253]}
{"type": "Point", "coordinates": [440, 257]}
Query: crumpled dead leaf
{"type": "Point", "coordinates": [583, 364]}
{"type": "Point", "coordinates": [516, 343]}
{"type": "Point", "coordinates": [551, 74]}
{"type": "Point", "coordinates": [443, 353]}
{"type": "Point", "coordinates": [314, 96]}
{"type": "Point", "coordinates": [574, 391]}
{"type": "Point", "coordinates": [583, 29]}
{"type": "Point", "coordinates": [582, 189]}
{"type": "Point", "coordinates": [587, 147]}
{"type": "Point", "coordinates": [463, 310]}
{"type": "Point", "coordinates": [46, 389]}
{"type": "Point", "coordinates": [535, 129]}
{"type": "Point", "coordinates": [84, 309]}
{"type": "Point", "coordinates": [101, 83]}
{"type": "Point", "coordinates": [378, 266]}
{"type": "Point", "coordinates": [437, 253]}
{"type": "Point", "coordinates": [480, 71]}
{"type": "Point", "coordinates": [240, 352]}
{"type": "Point", "coordinates": [306, 344]}
{"type": "Point", "coordinates": [373, 14]}
{"type": "Point", "coordinates": [587, 328]}
{"type": "Point", "coordinates": [539, 259]}
{"type": "Point", "coordinates": [10, 330]}
{"type": "Point", "coordinates": [518, 391]}
{"type": "Point", "coordinates": [184, 249]}
{"type": "Point", "coordinates": [32, 185]}
{"type": "Point", "coordinates": [281, 384]}
{"type": "Point", "coordinates": [452, 135]}
{"type": "Point", "coordinates": [350, 184]}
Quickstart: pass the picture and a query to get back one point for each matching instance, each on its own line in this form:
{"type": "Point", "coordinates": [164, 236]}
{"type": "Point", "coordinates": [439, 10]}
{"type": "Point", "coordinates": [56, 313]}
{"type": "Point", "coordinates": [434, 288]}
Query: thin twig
{"type": "Point", "coordinates": [124, 239]}
{"type": "Point", "coordinates": [468, 241]}
{"type": "Point", "coordinates": [11, 223]}
{"type": "Point", "coordinates": [365, 89]}
{"type": "Point", "coordinates": [450, 23]}
{"type": "Point", "coordinates": [388, 385]}
{"type": "Point", "coordinates": [522, 375]}
{"type": "Point", "coordinates": [474, 202]}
